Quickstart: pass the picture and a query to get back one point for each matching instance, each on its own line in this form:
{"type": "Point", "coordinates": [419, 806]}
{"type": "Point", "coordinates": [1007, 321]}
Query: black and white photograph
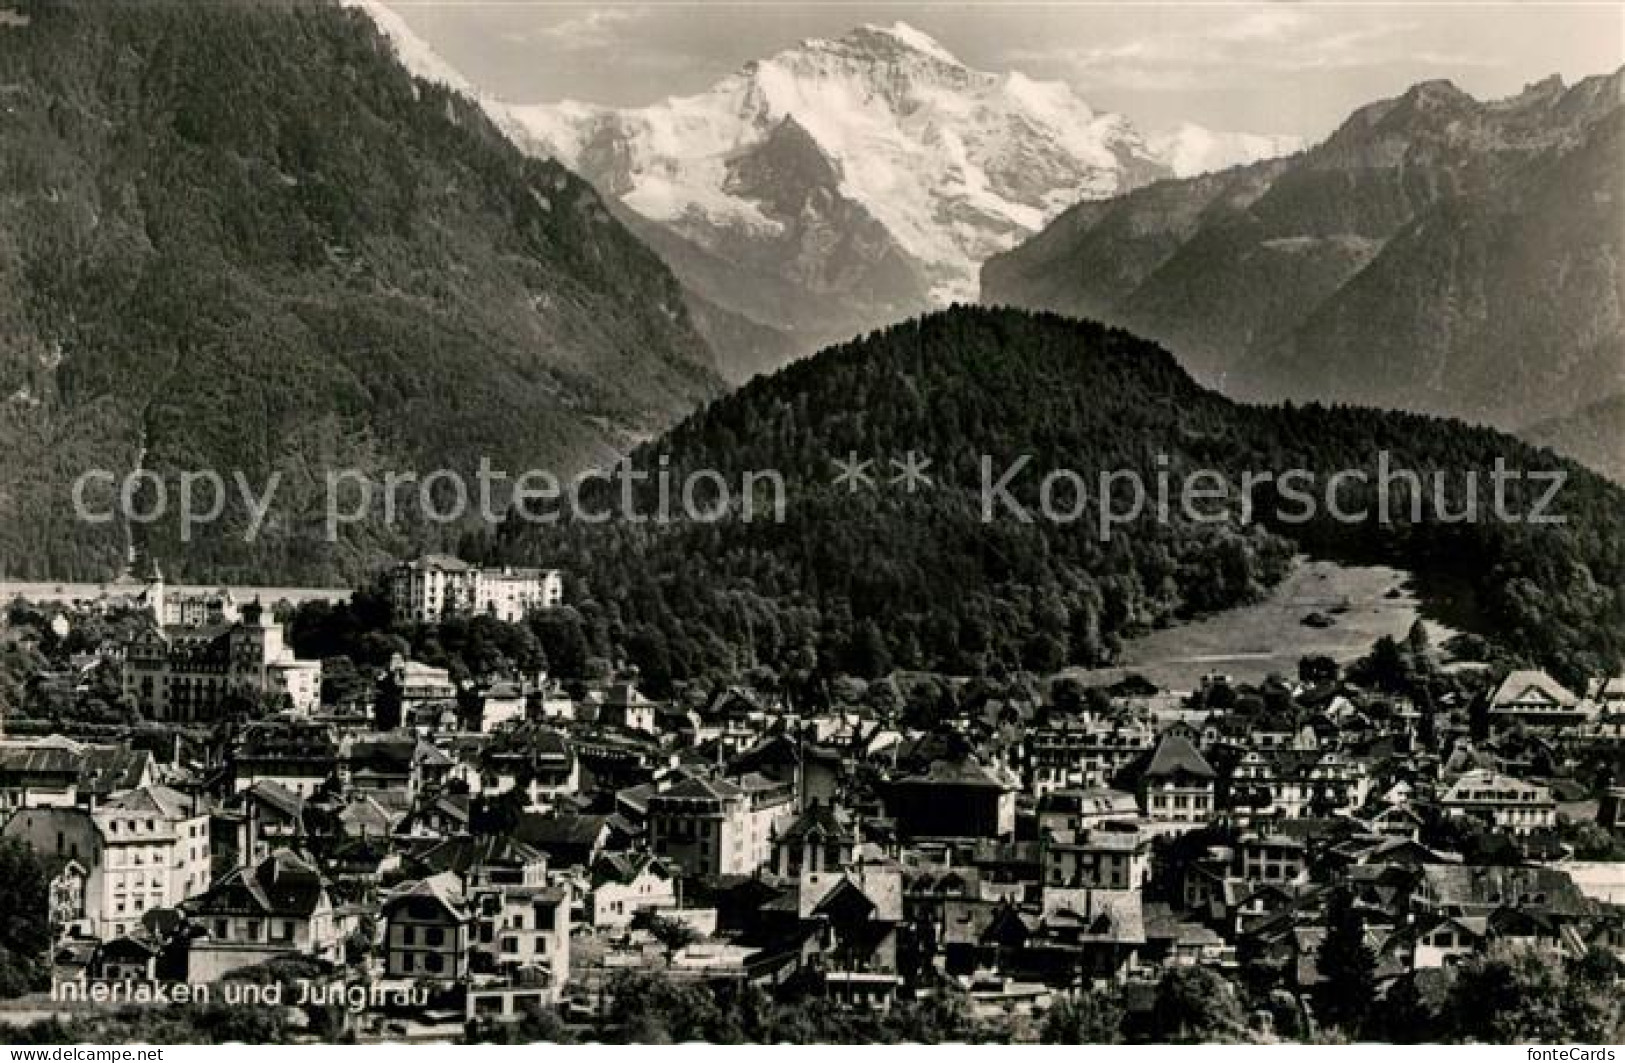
{"type": "Point", "coordinates": [812, 522]}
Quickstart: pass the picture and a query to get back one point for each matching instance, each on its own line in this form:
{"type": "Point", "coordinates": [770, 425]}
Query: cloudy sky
{"type": "Point", "coordinates": [1288, 67]}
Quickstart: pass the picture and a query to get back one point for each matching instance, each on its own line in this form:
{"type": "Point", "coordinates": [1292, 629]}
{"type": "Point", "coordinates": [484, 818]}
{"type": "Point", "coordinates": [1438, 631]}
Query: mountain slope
{"type": "Point", "coordinates": [845, 183]}
{"type": "Point", "coordinates": [1436, 253]}
{"type": "Point", "coordinates": [1593, 435]}
{"type": "Point", "coordinates": [865, 579]}
{"type": "Point", "coordinates": [239, 236]}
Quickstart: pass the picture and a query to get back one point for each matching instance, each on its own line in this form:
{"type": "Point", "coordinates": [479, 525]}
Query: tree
{"type": "Point", "coordinates": [867, 655]}
{"type": "Point", "coordinates": [1347, 964]}
{"type": "Point", "coordinates": [1517, 995]}
{"type": "Point", "coordinates": [25, 931]}
{"type": "Point", "coordinates": [674, 935]}
{"type": "Point", "coordinates": [1088, 1018]}
{"type": "Point", "coordinates": [1385, 668]}
{"type": "Point", "coordinates": [1419, 645]}
{"type": "Point", "coordinates": [1195, 1005]}
{"type": "Point", "coordinates": [387, 705]}
{"type": "Point", "coordinates": [1318, 670]}
{"type": "Point", "coordinates": [538, 1025]}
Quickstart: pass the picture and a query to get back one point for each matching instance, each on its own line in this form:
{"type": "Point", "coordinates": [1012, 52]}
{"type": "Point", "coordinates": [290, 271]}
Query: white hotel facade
{"type": "Point", "coordinates": [436, 585]}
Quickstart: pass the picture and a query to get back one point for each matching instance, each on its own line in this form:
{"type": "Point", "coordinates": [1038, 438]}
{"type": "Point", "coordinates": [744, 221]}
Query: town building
{"type": "Point", "coordinates": [1533, 699]}
{"type": "Point", "coordinates": [189, 674]}
{"type": "Point", "coordinates": [1178, 787]}
{"type": "Point", "coordinates": [280, 906]}
{"type": "Point", "coordinates": [144, 849]}
{"type": "Point", "coordinates": [434, 586]}
{"type": "Point", "coordinates": [58, 772]}
{"type": "Point", "coordinates": [428, 930]}
{"type": "Point", "coordinates": [299, 756]}
{"type": "Point", "coordinates": [715, 826]}
{"type": "Point", "coordinates": [1102, 858]}
{"type": "Point", "coordinates": [1512, 805]}
{"type": "Point", "coordinates": [956, 799]}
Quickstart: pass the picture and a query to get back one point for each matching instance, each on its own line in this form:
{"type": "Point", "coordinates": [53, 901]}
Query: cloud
{"type": "Point", "coordinates": [590, 30]}
{"type": "Point", "coordinates": [1273, 39]}
{"type": "Point", "coordinates": [1270, 23]}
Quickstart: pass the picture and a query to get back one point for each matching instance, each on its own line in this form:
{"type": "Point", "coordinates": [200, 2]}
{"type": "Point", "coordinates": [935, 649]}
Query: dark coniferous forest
{"type": "Point", "coordinates": [869, 581]}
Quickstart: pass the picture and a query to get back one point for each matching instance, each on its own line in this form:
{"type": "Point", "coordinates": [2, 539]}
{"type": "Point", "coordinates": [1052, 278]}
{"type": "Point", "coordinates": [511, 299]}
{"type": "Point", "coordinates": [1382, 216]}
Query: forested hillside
{"type": "Point", "coordinates": [237, 235]}
{"type": "Point", "coordinates": [869, 580]}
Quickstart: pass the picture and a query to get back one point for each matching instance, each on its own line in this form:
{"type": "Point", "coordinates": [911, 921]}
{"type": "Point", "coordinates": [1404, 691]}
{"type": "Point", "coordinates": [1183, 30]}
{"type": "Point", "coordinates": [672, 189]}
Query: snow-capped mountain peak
{"type": "Point", "coordinates": [910, 38]}
{"type": "Point", "coordinates": [955, 163]}
{"type": "Point", "coordinates": [843, 182]}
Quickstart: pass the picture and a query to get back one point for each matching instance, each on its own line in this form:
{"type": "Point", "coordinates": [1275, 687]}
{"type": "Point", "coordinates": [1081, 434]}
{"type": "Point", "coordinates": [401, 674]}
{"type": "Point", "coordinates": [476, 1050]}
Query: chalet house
{"type": "Point", "coordinates": [401, 763]}
{"type": "Point", "coordinates": [533, 759]}
{"type": "Point", "coordinates": [856, 913]}
{"type": "Point", "coordinates": [972, 934]}
{"type": "Point", "coordinates": [624, 707]}
{"type": "Point", "coordinates": [624, 884]}
{"type": "Point", "coordinates": [568, 839]}
{"type": "Point", "coordinates": [268, 816]}
{"type": "Point", "coordinates": [278, 907]}
{"type": "Point", "coordinates": [487, 860]}
{"type": "Point", "coordinates": [1457, 889]}
{"type": "Point", "coordinates": [438, 816]}
{"type": "Point", "coordinates": [127, 958]}
{"type": "Point", "coordinates": [428, 930]}
{"type": "Point", "coordinates": [1533, 699]}
{"type": "Point", "coordinates": [1088, 934]}
{"type": "Point", "coordinates": [1513, 805]}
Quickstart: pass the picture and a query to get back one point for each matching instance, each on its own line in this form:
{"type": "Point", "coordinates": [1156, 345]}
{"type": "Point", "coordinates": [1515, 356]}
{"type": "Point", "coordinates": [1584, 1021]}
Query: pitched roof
{"type": "Point", "coordinates": [626, 867]}
{"type": "Point", "coordinates": [1523, 682]}
{"type": "Point", "coordinates": [277, 796]}
{"type": "Point", "coordinates": [965, 772]}
{"type": "Point", "coordinates": [284, 883]}
{"type": "Point", "coordinates": [439, 562]}
{"type": "Point", "coordinates": [1175, 755]}
{"type": "Point", "coordinates": [546, 832]}
{"type": "Point", "coordinates": [1480, 889]}
{"type": "Point", "coordinates": [463, 854]}
{"type": "Point", "coordinates": [699, 788]}
{"type": "Point", "coordinates": [443, 889]}
{"type": "Point", "coordinates": [823, 820]}
{"type": "Point", "coordinates": [160, 801]}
